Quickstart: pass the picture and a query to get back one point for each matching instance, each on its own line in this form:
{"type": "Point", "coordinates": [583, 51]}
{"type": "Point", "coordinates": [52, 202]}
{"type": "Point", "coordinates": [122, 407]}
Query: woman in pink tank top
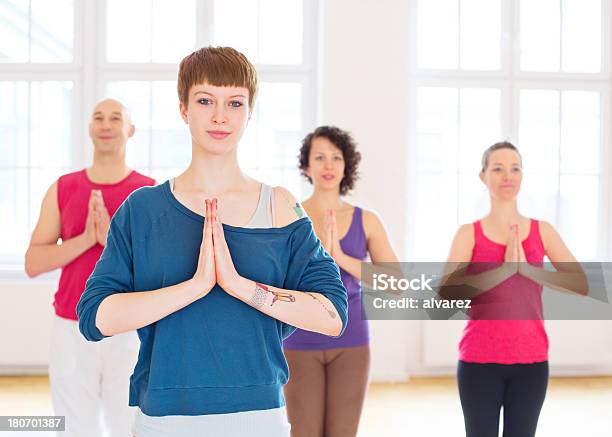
{"type": "Point", "coordinates": [503, 354]}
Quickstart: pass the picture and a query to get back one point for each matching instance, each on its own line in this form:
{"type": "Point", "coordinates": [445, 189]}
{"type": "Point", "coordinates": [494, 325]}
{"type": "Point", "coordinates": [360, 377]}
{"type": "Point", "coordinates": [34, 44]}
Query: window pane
{"type": "Point", "coordinates": [454, 126]}
{"type": "Point", "coordinates": [136, 96]}
{"type": "Point", "coordinates": [161, 139]}
{"type": "Point", "coordinates": [273, 137]}
{"type": "Point", "coordinates": [437, 129]}
{"type": "Point", "coordinates": [170, 138]}
{"type": "Point", "coordinates": [14, 218]}
{"type": "Point", "coordinates": [128, 39]}
{"type": "Point", "coordinates": [436, 182]}
{"type": "Point", "coordinates": [539, 128]}
{"type": "Point", "coordinates": [280, 32]}
{"type": "Point", "coordinates": [173, 35]}
{"type": "Point", "coordinates": [287, 178]}
{"type": "Point", "coordinates": [267, 32]}
{"type": "Point", "coordinates": [50, 124]}
{"type": "Point", "coordinates": [35, 131]}
{"type": "Point", "coordinates": [540, 35]}
{"type": "Point", "coordinates": [438, 30]}
{"type": "Point", "coordinates": [539, 195]}
{"type": "Point", "coordinates": [14, 30]}
{"type": "Point", "coordinates": [162, 174]}
{"type": "Point", "coordinates": [473, 199]}
{"type": "Point", "coordinates": [237, 30]}
{"type": "Point", "coordinates": [52, 30]}
{"type": "Point", "coordinates": [36, 30]}
{"type": "Point", "coordinates": [14, 123]}
{"type": "Point", "coordinates": [436, 222]}
{"type": "Point", "coordinates": [479, 118]}
{"type": "Point", "coordinates": [580, 132]}
{"type": "Point", "coordinates": [582, 36]}
{"type": "Point", "coordinates": [40, 181]}
{"type": "Point", "coordinates": [248, 153]}
{"type": "Point", "coordinates": [579, 214]}
{"type": "Point", "coordinates": [164, 30]}
{"type": "Point", "coordinates": [480, 34]}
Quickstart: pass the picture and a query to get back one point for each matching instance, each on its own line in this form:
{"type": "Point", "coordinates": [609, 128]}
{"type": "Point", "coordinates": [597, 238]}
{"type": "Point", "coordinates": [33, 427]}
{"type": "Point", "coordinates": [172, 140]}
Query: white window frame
{"type": "Point", "coordinates": [305, 73]}
{"type": "Point", "coordinates": [510, 80]}
{"type": "Point", "coordinates": [90, 73]}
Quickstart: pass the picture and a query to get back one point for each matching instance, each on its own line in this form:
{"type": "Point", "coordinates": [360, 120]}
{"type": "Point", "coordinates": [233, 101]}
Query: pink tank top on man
{"type": "Point", "coordinates": [506, 323]}
{"type": "Point", "coordinates": [73, 192]}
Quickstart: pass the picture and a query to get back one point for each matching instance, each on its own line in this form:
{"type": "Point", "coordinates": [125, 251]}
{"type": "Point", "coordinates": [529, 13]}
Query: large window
{"type": "Point", "coordinates": [532, 72]}
{"type": "Point", "coordinates": [58, 58]}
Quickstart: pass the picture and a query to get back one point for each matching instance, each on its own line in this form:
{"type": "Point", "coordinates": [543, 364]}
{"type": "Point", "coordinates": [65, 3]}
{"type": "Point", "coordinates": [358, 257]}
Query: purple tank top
{"type": "Point", "coordinates": [354, 244]}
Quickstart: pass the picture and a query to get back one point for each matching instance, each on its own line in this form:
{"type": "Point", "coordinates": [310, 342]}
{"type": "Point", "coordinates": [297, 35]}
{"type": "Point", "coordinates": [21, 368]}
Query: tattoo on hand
{"type": "Point", "coordinates": [259, 297]}
{"type": "Point", "coordinates": [330, 312]}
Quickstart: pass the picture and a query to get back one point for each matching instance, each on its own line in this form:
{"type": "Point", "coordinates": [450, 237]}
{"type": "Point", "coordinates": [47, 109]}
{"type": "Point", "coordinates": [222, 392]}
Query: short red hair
{"type": "Point", "coordinates": [217, 66]}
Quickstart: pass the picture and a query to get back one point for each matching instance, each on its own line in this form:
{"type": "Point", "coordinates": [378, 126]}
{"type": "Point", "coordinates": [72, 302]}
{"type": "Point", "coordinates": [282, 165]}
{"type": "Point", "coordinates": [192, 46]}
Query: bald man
{"type": "Point", "coordinates": [88, 380]}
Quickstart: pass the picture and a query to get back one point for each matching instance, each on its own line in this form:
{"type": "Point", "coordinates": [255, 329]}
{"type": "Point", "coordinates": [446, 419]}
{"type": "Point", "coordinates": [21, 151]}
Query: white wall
{"type": "Point", "coordinates": [26, 313]}
{"type": "Point", "coordinates": [364, 90]}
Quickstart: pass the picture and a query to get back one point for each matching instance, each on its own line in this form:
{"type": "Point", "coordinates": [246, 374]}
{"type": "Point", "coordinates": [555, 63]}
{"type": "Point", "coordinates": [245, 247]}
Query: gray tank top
{"type": "Point", "coordinates": [264, 216]}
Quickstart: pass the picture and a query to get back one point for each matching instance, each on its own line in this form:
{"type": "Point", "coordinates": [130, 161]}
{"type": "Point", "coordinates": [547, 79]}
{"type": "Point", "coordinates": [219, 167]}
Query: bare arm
{"type": "Point", "coordinates": [44, 254]}
{"type": "Point", "coordinates": [569, 276]}
{"type": "Point", "coordinates": [305, 310]}
{"type": "Point", "coordinates": [122, 312]}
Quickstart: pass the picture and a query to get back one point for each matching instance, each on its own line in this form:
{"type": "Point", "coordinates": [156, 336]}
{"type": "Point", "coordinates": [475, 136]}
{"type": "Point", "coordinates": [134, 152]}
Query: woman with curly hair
{"type": "Point", "coordinates": [329, 377]}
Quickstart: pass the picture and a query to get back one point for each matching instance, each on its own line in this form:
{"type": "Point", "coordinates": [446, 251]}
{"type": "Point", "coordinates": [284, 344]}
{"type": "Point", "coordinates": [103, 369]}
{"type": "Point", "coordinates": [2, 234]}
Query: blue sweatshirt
{"type": "Point", "coordinates": [218, 354]}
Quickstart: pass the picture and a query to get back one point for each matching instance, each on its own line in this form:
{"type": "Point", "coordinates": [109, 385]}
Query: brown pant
{"type": "Point", "coordinates": [326, 390]}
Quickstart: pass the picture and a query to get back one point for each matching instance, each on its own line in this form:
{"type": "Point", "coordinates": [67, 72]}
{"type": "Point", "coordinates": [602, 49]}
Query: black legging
{"type": "Point", "coordinates": [485, 388]}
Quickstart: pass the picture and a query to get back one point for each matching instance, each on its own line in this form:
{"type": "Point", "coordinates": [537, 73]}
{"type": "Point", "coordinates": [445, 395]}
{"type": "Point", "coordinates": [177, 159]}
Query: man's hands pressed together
{"type": "Point", "coordinates": [98, 219]}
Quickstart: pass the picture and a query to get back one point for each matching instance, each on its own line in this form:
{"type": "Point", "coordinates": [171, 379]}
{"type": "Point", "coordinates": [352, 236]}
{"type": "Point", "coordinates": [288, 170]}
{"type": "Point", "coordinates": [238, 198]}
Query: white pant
{"type": "Point", "coordinates": [258, 423]}
{"type": "Point", "coordinates": [90, 381]}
